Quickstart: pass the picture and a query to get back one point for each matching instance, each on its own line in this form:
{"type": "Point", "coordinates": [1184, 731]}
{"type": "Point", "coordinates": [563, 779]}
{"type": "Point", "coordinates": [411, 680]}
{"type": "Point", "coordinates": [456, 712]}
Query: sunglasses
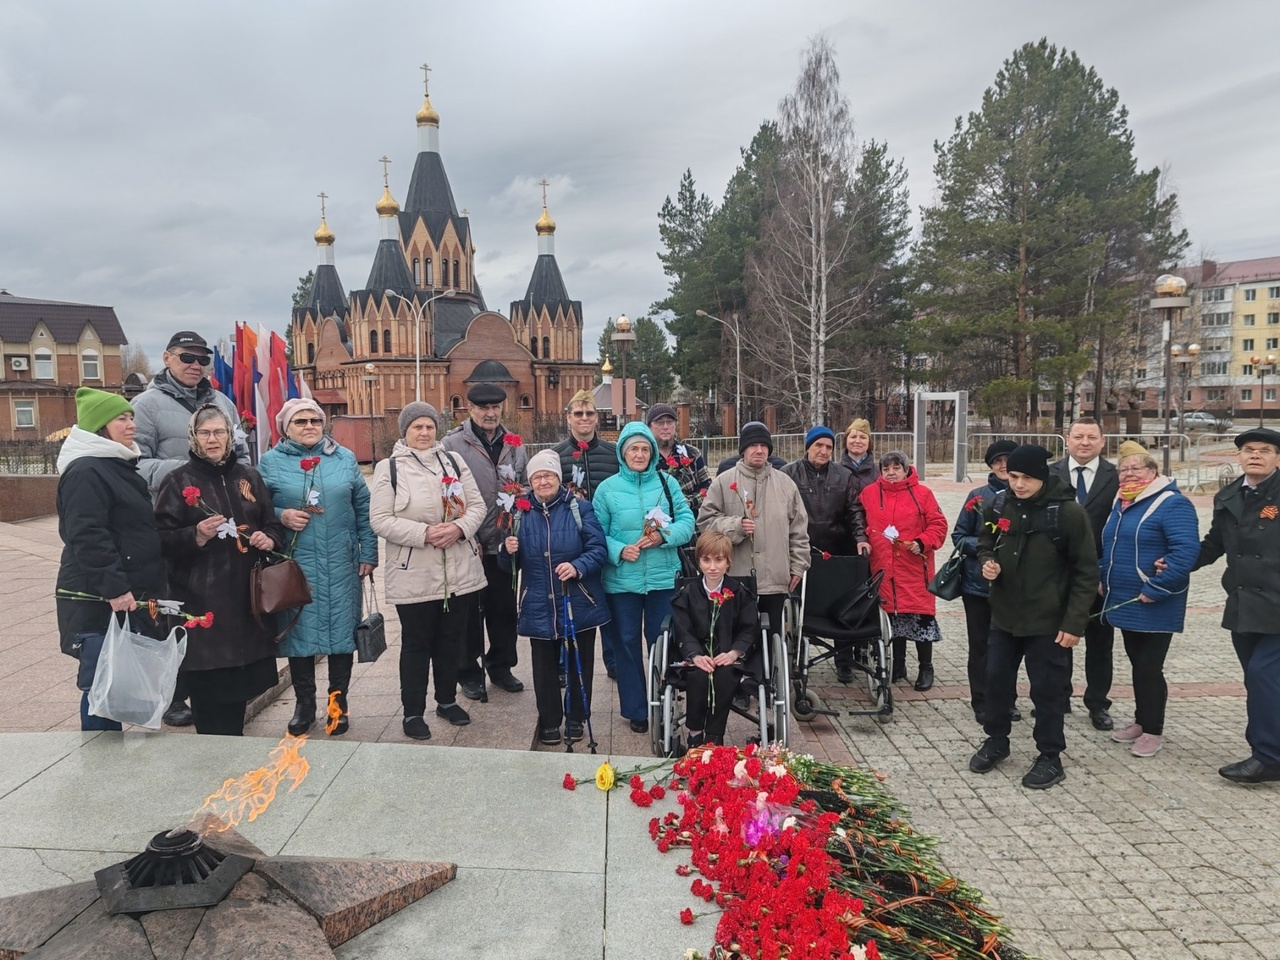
{"type": "Point", "coordinates": [583, 414]}
{"type": "Point", "coordinates": [201, 358]}
{"type": "Point", "coordinates": [307, 422]}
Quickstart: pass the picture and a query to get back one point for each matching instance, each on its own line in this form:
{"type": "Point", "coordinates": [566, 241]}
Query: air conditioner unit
{"type": "Point", "coordinates": [19, 363]}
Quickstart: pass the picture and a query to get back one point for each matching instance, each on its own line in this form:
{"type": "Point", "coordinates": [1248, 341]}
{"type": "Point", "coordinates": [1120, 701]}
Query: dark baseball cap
{"type": "Point", "coordinates": [187, 340]}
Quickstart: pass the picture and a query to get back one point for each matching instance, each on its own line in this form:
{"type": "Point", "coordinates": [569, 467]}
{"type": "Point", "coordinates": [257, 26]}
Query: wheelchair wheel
{"type": "Point", "coordinates": [655, 681]}
{"type": "Point", "coordinates": [780, 682]}
{"type": "Point", "coordinates": [878, 686]}
{"type": "Point", "coordinates": [668, 739]}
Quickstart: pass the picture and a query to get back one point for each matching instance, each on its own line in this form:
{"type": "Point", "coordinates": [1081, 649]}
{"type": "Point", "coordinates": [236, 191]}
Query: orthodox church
{"type": "Point", "coordinates": [356, 350]}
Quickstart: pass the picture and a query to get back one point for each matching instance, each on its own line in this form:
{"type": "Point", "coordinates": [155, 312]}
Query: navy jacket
{"type": "Point", "coordinates": [1244, 528]}
{"type": "Point", "coordinates": [965, 535]}
{"type": "Point", "coordinates": [541, 611]}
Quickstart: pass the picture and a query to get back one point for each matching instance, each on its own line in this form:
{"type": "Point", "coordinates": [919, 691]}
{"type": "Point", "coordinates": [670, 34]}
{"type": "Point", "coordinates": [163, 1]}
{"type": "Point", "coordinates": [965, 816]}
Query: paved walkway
{"type": "Point", "coordinates": [1135, 859]}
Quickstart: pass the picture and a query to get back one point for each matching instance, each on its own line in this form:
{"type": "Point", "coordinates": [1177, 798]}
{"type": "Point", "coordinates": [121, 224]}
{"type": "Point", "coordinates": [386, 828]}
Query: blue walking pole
{"type": "Point", "coordinates": [574, 660]}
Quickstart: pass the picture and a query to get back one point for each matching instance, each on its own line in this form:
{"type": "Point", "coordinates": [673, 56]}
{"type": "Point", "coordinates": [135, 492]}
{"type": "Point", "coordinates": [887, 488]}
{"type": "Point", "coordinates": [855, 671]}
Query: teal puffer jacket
{"type": "Point", "coordinates": [622, 503]}
{"type": "Point", "coordinates": [330, 548]}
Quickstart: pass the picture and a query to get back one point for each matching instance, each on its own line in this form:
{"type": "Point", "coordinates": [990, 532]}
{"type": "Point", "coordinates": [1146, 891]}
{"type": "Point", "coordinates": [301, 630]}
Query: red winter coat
{"type": "Point", "coordinates": [910, 507]}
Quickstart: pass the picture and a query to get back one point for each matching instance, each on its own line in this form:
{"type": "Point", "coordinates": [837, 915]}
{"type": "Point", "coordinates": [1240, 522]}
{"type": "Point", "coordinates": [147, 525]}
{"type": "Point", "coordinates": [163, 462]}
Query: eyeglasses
{"type": "Point", "coordinates": [211, 434]}
{"type": "Point", "coordinates": [1139, 469]}
{"type": "Point", "coordinates": [583, 414]}
{"type": "Point", "coordinates": [307, 422]}
{"type": "Point", "coordinates": [201, 358]}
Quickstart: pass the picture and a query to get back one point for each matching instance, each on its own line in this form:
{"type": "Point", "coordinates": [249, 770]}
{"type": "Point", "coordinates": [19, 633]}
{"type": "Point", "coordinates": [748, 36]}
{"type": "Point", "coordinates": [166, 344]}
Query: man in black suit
{"type": "Point", "coordinates": [1096, 484]}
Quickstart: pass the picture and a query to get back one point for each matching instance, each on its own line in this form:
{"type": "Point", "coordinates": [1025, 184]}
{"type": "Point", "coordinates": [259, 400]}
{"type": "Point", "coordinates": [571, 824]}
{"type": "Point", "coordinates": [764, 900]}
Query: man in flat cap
{"type": "Point", "coordinates": [495, 457]}
{"type": "Point", "coordinates": [1246, 529]}
{"type": "Point", "coordinates": [161, 414]}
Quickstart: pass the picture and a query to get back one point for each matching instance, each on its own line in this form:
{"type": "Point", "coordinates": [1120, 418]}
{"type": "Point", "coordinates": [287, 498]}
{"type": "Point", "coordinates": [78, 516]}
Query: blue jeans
{"type": "Point", "coordinates": [629, 611]}
{"type": "Point", "coordinates": [90, 645]}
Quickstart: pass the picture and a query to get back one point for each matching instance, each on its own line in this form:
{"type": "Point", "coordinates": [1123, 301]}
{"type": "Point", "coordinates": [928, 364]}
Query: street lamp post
{"type": "Point", "coordinates": [623, 337]}
{"type": "Point", "coordinates": [737, 349]}
{"type": "Point", "coordinates": [1170, 295]}
{"type": "Point", "coordinates": [1260, 367]}
{"type": "Point", "coordinates": [417, 333]}
{"type": "Point", "coordinates": [1184, 357]}
{"type": "Point", "coordinates": [370, 378]}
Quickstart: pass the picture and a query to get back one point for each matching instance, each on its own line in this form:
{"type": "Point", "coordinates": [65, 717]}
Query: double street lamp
{"type": "Point", "coordinates": [737, 348]}
{"type": "Point", "coordinates": [1261, 366]}
{"type": "Point", "coordinates": [417, 333]}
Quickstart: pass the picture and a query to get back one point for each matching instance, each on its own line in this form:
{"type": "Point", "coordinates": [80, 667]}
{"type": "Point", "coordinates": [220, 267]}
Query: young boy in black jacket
{"type": "Point", "coordinates": [715, 621]}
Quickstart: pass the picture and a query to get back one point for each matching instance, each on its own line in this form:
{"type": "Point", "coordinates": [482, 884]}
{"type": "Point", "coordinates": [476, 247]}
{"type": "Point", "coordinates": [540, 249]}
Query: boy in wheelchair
{"type": "Point", "coordinates": [714, 622]}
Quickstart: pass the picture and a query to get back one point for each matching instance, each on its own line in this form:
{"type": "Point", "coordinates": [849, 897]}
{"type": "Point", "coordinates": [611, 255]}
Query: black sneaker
{"type": "Point", "coordinates": [416, 728]}
{"type": "Point", "coordinates": [454, 714]}
{"type": "Point", "coordinates": [989, 754]}
{"type": "Point", "coordinates": [549, 736]}
{"type": "Point", "coordinates": [473, 689]}
{"type": "Point", "coordinates": [1044, 773]}
{"type": "Point", "coordinates": [573, 731]}
{"type": "Point", "coordinates": [178, 715]}
{"type": "Point", "coordinates": [639, 726]}
{"type": "Point", "coordinates": [507, 682]}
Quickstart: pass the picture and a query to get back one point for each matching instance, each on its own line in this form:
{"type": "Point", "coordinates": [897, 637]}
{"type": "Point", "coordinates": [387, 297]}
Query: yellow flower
{"type": "Point", "coordinates": [605, 776]}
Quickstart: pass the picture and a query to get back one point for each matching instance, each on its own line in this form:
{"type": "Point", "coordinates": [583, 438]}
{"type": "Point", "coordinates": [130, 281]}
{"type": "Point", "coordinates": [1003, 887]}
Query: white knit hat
{"type": "Point", "coordinates": [545, 460]}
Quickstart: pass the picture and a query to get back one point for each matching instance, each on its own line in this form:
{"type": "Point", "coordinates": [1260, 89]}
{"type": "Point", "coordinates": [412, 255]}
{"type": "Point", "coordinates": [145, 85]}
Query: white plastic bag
{"type": "Point", "coordinates": [136, 674]}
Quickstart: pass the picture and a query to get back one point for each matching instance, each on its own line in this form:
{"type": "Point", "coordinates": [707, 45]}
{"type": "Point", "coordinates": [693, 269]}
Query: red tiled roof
{"type": "Point", "coordinates": [1245, 271]}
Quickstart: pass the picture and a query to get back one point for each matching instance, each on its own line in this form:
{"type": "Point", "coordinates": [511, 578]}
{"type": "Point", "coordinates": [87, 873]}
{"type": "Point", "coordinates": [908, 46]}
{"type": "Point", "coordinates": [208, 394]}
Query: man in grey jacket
{"type": "Point", "coordinates": [161, 414]}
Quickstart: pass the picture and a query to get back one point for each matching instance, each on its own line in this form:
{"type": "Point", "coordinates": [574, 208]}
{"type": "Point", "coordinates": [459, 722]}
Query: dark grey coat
{"type": "Point", "coordinates": [1243, 531]}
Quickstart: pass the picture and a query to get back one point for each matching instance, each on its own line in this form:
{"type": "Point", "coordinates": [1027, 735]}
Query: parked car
{"type": "Point", "coordinates": [1203, 420]}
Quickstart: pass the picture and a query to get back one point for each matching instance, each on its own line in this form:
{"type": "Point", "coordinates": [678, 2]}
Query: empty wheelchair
{"type": "Point", "coordinates": [840, 612]}
{"type": "Point", "coordinates": [764, 682]}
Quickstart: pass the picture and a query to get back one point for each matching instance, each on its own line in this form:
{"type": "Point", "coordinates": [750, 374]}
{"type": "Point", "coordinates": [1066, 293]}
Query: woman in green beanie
{"type": "Point", "coordinates": [110, 545]}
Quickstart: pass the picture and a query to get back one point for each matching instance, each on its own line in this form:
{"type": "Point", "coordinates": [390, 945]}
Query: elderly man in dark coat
{"type": "Point", "coordinates": [1246, 529]}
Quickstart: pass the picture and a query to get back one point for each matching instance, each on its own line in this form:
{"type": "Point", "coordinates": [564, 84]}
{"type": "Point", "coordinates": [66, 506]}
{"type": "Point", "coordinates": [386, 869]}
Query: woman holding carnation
{"type": "Point", "coordinates": [321, 496]}
{"type": "Point", "coordinates": [558, 545]}
{"type": "Point", "coordinates": [108, 529]}
{"type": "Point", "coordinates": [216, 520]}
{"type": "Point", "coordinates": [714, 619]}
{"type": "Point", "coordinates": [426, 505]}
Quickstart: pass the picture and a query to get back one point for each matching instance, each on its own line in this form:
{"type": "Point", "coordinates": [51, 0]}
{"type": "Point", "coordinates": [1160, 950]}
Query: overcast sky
{"type": "Point", "coordinates": [163, 158]}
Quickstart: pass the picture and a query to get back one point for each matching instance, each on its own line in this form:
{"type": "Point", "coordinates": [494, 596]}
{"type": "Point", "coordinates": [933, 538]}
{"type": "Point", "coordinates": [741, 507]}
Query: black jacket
{"type": "Point", "coordinates": [110, 545]}
{"type": "Point", "coordinates": [837, 523]}
{"type": "Point", "coordinates": [1246, 529]}
{"type": "Point", "coordinates": [598, 462]}
{"type": "Point", "coordinates": [1102, 494]}
{"type": "Point", "coordinates": [864, 474]}
{"type": "Point", "coordinates": [1048, 579]}
{"type": "Point", "coordinates": [965, 535]}
{"type": "Point", "coordinates": [736, 623]}
{"type": "Point", "coordinates": [215, 578]}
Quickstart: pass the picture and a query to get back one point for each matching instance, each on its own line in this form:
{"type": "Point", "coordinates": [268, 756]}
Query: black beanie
{"type": "Point", "coordinates": [1031, 460]}
{"type": "Point", "coordinates": [754, 432]}
{"type": "Point", "coordinates": [1001, 448]}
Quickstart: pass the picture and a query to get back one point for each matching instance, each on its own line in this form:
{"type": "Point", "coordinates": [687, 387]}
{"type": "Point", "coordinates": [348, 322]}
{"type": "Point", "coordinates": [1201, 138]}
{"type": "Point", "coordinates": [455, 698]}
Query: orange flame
{"type": "Point", "coordinates": [334, 711]}
{"type": "Point", "coordinates": [251, 794]}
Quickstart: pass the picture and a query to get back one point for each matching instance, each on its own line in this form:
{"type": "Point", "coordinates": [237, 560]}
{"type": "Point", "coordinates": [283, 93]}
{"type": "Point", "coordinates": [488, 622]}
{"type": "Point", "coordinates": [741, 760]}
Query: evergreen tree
{"type": "Point", "coordinates": [303, 292]}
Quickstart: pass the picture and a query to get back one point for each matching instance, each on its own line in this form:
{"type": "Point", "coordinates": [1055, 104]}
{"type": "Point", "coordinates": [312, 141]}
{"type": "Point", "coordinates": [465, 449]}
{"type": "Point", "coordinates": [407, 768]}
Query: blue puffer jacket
{"type": "Point", "coordinates": [541, 612]}
{"type": "Point", "coordinates": [1161, 522]}
{"type": "Point", "coordinates": [330, 548]}
{"type": "Point", "coordinates": [965, 536]}
{"type": "Point", "coordinates": [621, 503]}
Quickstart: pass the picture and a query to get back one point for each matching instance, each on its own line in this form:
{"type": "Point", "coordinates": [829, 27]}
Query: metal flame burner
{"type": "Point", "coordinates": [178, 869]}
{"type": "Point", "coordinates": [173, 859]}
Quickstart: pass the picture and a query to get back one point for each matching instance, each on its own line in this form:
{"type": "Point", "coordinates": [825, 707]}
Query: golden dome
{"type": "Point", "coordinates": [606, 367]}
{"type": "Point", "coordinates": [427, 116]}
{"type": "Point", "coordinates": [324, 236]}
{"type": "Point", "coordinates": [545, 225]}
{"type": "Point", "coordinates": [387, 206]}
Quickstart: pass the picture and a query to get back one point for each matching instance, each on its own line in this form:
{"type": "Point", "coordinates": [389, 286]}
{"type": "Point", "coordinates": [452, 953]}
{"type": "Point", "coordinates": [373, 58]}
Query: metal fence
{"type": "Point", "coordinates": [29, 457]}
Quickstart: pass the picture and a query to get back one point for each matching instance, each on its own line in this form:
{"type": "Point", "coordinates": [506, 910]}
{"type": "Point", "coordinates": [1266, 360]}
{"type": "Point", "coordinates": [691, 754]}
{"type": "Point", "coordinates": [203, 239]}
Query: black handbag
{"type": "Point", "coordinates": [371, 632]}
{"type": "Point", "coordinates": [946, 583]}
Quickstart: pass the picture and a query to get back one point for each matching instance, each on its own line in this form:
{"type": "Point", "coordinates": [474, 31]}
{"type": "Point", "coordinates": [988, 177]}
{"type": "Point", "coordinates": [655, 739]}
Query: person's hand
{"type": "Point", "coordinates": [631, 552]}
{"type": "Point", "coordinates": [261, 541]}
{"type": "Point", "coordinates": [794, 582]}
{"type": "Point", "coordinates": [704, 663]}
{"type": "Point", "coordinates": [916, 548]}
{"type": "Point", "coordinates": [295, 519]}
{"type": "Point", "coordinates": [566, 571]}
{"type": "Point", "coordinates": [123, 603]}
{"type": "Point", "coordinates": [366, 570]}
{"type": "Point", "coordinates": [207, 528]}
{"type": "Point", "coordinates": [1143, 598]}
{"type": "Point", "coordinates": [653, 538]}
{"type": "Point", "coordinates": [1065, 639]}
{"type": "Point", "coordinates": [990, 570]}
{"type": "Point", "coordinates": [443, 535]}
{"type": "Point", "coordinates": [727, 658]}
{"type": "Point", "coordinates": [748, 526]}
{"type": "Point", "coordinates": [512, 545]}
{"type": "Point", "coordinates": [1161, 566]}
{"type": "Point", "coordinates": [864, 549]}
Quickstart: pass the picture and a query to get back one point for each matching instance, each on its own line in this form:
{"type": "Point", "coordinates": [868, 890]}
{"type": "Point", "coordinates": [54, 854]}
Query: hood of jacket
{"type": "Point", "coordinates": [166, 384]}
{"type": "Point", "coordinates": [82, 443]}
{"type": "Point", "coordinates": [326, 447]}
{"type": "Point", "coordinates": [632, 429]}
{"type": "Point", "coordinates": [1155, 487]}
{"type": "Point", "coordinates": [911, 480]}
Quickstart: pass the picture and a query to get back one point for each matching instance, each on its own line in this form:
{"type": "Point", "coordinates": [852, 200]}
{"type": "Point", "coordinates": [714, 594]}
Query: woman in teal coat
{"type": "Point", "coordinates": [646, 519]}
{"type": "Point", "coordinates": [321, 496]}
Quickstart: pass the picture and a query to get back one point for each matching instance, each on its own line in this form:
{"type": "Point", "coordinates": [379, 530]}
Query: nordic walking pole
{"type": "Point", "coordinates": [573, 653]}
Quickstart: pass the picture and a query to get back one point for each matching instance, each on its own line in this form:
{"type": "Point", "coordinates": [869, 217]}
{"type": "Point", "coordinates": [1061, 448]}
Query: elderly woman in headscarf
{"type": "Point", "coordinates": [216, 521]}
{"type": "Point", "coordinates": [110, 546]}
{"type": "Point", "coordinates": [320, 496]}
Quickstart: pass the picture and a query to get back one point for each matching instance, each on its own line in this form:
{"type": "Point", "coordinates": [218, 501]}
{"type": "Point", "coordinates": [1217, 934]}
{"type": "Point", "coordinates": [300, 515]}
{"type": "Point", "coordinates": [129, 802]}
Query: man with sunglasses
{"type": "Point", "coordinates": [585, 459]}
{"type": "Point", "coordinates": [161, 414]}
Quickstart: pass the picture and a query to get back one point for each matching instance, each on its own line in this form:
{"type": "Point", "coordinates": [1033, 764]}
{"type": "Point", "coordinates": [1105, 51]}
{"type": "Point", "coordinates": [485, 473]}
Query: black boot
{"type": "Point", "coordinates": [303, 672]}
{"type": "Point", "coordinates": [339, 684]}
{"type": "Point", "coordinates": [924, 653]}
{"type": "Point", "coordinates": [899, 659]}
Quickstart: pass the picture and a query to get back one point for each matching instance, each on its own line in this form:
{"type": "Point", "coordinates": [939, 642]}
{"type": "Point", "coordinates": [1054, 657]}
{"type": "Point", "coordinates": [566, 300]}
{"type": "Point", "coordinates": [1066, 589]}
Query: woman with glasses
{"type": "Point", "coordinates": [1150, 520]}
{"type": "Point", "coordinates": [322, 499]}
{"type": "Point", "coordinates": [216, 520]}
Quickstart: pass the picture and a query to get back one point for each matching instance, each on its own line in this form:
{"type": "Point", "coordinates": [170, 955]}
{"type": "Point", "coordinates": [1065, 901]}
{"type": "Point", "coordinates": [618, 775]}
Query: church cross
{"type": "Point", "coordinates": [426, 79]}
{"type": "Point", "coordinates": [544, 184]}
{"type": "Point", "coordinates": [384, 160]}
{"type": "Point", "coordinates": [323, 197]}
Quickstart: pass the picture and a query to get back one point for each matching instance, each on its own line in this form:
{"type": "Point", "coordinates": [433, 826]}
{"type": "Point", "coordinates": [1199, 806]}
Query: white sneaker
{"type": "Point", "coordinates": [1147, 745]}
{"type": "Point", "coordinates": [1128, 735]}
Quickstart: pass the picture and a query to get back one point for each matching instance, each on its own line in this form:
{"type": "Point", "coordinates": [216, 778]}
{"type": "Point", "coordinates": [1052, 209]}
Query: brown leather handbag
{"type": "Point", "coordinates": [277, 586]}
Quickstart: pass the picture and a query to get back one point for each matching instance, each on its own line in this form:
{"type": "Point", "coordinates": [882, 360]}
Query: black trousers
{"type": "Point", "coordinates": [1146, 652]}
{"type": "Point", "coordinates": [497, 617]}
{"type": "Point", "coordinates": [924, 653]}
{"type": "Point", "coordinates": [1099, 644]}
{"type": "Point", "coordinates": [303, 672]}
{"type": "Point", "coordinates": [700, 713]}
{"type": "Point", "coordinates": [1049, 670]}
{"type": "Point", "coordinates": [544, 656]}
{"type": "Point", "coordinates": [977, 622]}
{"type": "Point", "coordinates": [218, 719]}
{"type": "Point", "coordinates": [431, 637]}
{"type": "Point", "coordinates": [180, 692]}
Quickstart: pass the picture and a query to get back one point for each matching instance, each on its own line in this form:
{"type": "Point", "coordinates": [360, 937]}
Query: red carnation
{"type": "Point", "coordinates": [686, 461]}
{"type": "Point", "coordinates": [682, 870]}
{"type": "Point", "coordinates": [640, 798]}
{"type": "Point", "coordinates": [974, 504]}
{"type": "Point", "coordinates": [734, 485]}
{"type": "Point", "coordinates": [523, 504]}
{"type": "Point", "coordinates": [584, 445]}
{"type": "Point", "coordinates": [191, 495]}
{"type": "Point", "coordinates": [686, 917]}
{"type": "Point", "coordinates": [726, 593]}
{"type": "Point", "coordinates": [309, 463]}
{"type": "Point", "coordinates": [248, 420]}
{"type": "Point", "coordinates": [657, 791]}
{"type": "Point", "coordinates": [1003, 524]}
{"type": "Point", "coordinates": [636, 781]}
{"type": "Point", "coordinates": [448, 480]}
{"type": "Point", "coordinates": [873, 952]}
{"type": "Point", "coordinates": [671, 462]}
{"type": "Point", "coordinates": [512, 440]}
{"type": "Point", "coordinates": [825, 555]}
{"type": "Point", "coordinates": [569, 783]}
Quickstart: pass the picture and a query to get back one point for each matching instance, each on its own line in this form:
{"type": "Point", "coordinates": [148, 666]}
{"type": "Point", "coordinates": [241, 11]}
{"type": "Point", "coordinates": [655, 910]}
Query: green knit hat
{"type": "Point", "coordinates": [96, 408]}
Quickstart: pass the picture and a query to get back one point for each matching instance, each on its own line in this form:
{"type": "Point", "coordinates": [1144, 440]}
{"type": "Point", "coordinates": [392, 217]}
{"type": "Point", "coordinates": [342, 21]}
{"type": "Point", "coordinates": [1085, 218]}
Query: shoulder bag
{"type": "Point", "coordinates": [371, 632]}
{"type": "Point", "coordinates": [946, 583]}
{"type": "Point", "coordinates": [274, 587]}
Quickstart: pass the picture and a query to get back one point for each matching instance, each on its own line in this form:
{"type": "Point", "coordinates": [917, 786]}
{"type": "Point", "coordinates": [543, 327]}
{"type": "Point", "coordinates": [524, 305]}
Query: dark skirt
{"type": "Point", "coordinates": [233, 684]}
{"type": "Point", "coordinates": [921, 627]}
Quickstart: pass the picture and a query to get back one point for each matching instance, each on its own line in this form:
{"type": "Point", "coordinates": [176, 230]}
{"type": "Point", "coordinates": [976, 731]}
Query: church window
{"type": "Point", "coordinates": [428, 282]}
{"type": "Point", "coordinates": [546, 348]}
{"type": "Point", "coordinates": [311, 353]}
{"type": "Point", "coordinates": [526, 402]}
{"type": "Point", "coordinates": [444, 272]}
{"type": "Point", "coordinates": [417, 272]}
{"type": "Point", "coordinates": [92, 369]}
{"type": "Point", "coordinates": [456, 402]}
{"type": "Point", "coordinates": [44, 363]}
{"type": "Point", "coordinates": [386, 341]}
{"type": "Point", "coordinates": [373, 341]}
{"type": "Point", "coordinates": [457, 277]}
{"type": "Point", "coordinates": [533, 345]}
